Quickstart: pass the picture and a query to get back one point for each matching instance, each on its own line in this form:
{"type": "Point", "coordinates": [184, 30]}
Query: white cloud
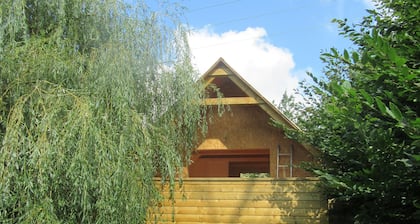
{"type": "Point", "coordinates": [266, 67]}
{"type": "Point", "coordinates": [370, 4]}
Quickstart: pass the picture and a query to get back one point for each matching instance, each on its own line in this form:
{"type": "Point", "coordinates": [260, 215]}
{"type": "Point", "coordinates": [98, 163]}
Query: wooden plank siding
{"type": "Point", "coordinates": [243, 200]}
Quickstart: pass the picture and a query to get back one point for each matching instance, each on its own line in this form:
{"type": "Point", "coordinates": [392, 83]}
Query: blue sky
{"type": "Point", "coordinates": [271, 43]}
{"type": "Point", "coordinates": [302, 26]}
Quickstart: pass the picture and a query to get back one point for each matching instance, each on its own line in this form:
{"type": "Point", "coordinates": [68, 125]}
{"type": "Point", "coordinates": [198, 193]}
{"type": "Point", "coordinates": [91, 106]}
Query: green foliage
{"type": "Point", "coordinates": [364, 116]}
{"type": "Point", "coordinates": [291, 108]}
{"type": "Point", "coordinates": [97, 97]}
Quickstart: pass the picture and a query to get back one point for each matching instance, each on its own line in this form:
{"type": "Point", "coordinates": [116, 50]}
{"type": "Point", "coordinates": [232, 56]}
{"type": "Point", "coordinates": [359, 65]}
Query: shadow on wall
{"type": "Point", "coordinates": [298, 200]}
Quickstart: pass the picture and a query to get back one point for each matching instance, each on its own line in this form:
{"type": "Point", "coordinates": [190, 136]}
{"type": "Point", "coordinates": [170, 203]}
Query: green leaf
{"type": "Point", "coordinates": [346, 55]}
{"type": "Point", "coordinates": [395, 112]}
{"type": "Point", "coordinates": [382, 107]}
{"type": "Point", "coordinates": [367, 97]}
{"type": "Point", "coordinates": [355, 57]}
{"type": "Point", "coordinates": [334, 51]}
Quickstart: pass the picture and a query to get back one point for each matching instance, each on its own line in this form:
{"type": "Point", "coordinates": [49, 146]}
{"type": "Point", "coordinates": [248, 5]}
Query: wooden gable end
{"type": "Point", "coordinates": [236, 90]}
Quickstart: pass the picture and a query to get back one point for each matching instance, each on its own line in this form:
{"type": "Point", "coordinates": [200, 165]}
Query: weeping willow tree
{"type": "Point", "coordinates": [97, 97]}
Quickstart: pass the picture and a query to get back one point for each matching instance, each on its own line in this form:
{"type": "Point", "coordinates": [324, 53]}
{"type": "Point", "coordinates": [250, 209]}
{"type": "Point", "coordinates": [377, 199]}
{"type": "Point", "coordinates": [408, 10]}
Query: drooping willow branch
{"type": "Point", "coordinates": [96, 100]}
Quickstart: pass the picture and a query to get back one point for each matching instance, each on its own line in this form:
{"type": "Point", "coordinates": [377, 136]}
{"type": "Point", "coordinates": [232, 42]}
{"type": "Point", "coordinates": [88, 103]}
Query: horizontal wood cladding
{"type": "Point", "coordinates": [237, 219]}
{"type": "Point", "coordinates": [223, 203]}
{"type": "Point", "coordinates": [243, 200]}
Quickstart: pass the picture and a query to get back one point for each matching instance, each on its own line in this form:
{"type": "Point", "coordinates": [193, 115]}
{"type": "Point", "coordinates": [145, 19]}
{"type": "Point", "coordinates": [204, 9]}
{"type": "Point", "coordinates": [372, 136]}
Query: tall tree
{"type": "Point", "coordinates": [364, 116]}
{"type": "Point", "coordinates": [97, 97]}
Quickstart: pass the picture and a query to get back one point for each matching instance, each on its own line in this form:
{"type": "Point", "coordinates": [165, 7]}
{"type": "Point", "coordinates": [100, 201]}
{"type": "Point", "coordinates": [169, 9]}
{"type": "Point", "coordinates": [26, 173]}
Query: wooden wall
{"type": "Point", "coordinates": [248, 127]}
{"type": "Point", "coordinates": [241, 200]}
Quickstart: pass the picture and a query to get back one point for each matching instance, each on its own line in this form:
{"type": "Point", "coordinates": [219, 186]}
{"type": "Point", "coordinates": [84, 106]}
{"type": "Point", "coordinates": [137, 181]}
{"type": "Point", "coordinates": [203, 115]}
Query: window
{"type": "Point", "coordinates": [229, 163]}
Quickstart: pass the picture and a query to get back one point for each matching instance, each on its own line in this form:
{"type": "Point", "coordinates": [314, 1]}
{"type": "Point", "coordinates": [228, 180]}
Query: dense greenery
{"type": "Point", "coordinates": [97, 97]}
{"type": "Point", "coordinates": [364, 116]}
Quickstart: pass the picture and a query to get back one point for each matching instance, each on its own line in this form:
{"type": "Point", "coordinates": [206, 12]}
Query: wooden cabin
{"type": "Point", "coordinates": [243, 140]}
{"type": "Point", "coordinates": [223, 184]}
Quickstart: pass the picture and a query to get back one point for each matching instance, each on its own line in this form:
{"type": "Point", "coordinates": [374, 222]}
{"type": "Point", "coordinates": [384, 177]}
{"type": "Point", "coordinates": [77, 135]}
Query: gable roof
{"type": "Point", "coordinates": [241, 92]}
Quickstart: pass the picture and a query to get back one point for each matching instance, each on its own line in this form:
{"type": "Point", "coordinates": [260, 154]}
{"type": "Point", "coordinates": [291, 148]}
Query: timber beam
{"type": "Point", "coordinates": [232, 101]}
